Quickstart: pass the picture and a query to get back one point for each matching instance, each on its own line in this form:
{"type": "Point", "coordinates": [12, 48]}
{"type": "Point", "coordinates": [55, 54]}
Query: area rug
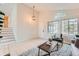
{"type": "Point", "coordinates": [64, 51]}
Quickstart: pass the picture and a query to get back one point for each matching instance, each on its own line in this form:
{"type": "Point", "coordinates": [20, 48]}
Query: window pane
{"type": "Point", "coordinates": [73, 26]}
{"type": "Point", "coordinates": [68, 27]}
{"type": "Point", "coordinates": [65, 26]}
{"type": "Point", "coordinates": [53, 27]}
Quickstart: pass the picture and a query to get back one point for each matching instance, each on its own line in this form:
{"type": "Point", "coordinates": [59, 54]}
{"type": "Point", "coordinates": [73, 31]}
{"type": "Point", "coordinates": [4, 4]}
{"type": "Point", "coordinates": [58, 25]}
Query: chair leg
{"type": "Point", "coordinates": [39, 52]}
{"type": "Point", "coordinates": [57, 46]}
{"type": "Point", "coordinates": [49, 54]}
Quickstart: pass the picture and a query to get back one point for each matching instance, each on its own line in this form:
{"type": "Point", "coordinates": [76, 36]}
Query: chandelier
{"type": "Point", "coordinates": [33, 16]}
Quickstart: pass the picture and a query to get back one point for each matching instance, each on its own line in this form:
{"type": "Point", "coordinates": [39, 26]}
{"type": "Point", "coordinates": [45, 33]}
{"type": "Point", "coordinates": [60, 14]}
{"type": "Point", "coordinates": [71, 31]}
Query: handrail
{"type": "Point", "coordinates": [2, 13]}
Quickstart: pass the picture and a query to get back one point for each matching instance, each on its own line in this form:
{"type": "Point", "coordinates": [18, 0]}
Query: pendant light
{"type": "Point", "coordinates": [33, 17]}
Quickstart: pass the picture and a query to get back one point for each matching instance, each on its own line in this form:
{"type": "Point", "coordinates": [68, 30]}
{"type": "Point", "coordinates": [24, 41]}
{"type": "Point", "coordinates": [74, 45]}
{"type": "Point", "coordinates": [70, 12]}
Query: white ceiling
{"type": "Point", "coordinates": [41, 7]}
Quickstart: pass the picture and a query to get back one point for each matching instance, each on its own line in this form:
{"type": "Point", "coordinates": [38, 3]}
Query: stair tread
{"type": "Point", "coordinates": [7, 34]}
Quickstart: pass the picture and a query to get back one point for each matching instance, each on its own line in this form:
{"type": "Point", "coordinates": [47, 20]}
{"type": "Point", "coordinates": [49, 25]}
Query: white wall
{"type": "Point", "coordinates": [26, 27]}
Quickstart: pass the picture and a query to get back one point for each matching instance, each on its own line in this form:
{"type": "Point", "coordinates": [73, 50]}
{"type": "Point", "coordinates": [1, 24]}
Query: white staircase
{"type": "Point", "coordinates": [8, 35]}
{"type": "Point", "coordinates": [7, 39]}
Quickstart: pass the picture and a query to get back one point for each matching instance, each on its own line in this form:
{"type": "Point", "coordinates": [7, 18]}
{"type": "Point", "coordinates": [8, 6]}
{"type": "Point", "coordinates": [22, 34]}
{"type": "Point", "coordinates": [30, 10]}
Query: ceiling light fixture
{"type": "Point", "coordinates": [33, 17]}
